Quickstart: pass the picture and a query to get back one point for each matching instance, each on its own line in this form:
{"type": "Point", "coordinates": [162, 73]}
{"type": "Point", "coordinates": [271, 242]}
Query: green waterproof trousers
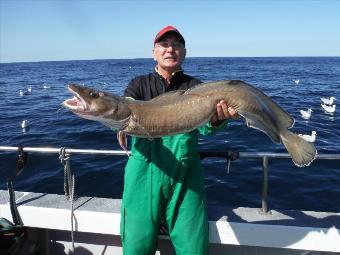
{"type": "Point", "coordinates": [164, 177]}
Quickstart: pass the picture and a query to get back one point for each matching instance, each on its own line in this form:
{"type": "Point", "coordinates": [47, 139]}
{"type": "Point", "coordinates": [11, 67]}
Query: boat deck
{"type": "Point", "coordinates": [236, 230]}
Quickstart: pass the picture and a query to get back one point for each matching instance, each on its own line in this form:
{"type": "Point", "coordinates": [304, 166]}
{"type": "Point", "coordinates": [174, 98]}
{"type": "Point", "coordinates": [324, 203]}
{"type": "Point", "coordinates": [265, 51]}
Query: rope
{"type": "Point", "coordinates": [64, 159]}
{"type": "Point", "coordinates": [21, 162]}
{"type": "Point", "coordinates": [69, 186]}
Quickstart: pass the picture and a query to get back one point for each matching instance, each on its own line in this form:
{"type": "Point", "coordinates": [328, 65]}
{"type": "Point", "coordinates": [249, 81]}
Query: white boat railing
{"type": "Point", "coordinates": [228, 155]}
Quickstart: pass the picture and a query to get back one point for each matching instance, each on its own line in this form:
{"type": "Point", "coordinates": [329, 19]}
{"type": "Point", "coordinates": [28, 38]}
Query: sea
{"type": "Point", "coordinates": [295, 83]}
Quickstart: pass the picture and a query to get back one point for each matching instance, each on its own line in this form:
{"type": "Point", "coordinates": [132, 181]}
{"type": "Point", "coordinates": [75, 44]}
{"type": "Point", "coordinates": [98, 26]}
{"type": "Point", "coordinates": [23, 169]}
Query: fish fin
{"type": "Point", "coordinates": [253, 121]}
{"type": "Point", "coordinates": [302, 152]}
{"type": "Point", "coordinates": [121, 137]}
{"type": "Point", "coordinates": [283, 117]}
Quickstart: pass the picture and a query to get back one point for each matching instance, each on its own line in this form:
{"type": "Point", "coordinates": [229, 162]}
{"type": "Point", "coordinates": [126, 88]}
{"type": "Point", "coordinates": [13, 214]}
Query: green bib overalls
{"type": "Point", "coordinates": [164, 177]}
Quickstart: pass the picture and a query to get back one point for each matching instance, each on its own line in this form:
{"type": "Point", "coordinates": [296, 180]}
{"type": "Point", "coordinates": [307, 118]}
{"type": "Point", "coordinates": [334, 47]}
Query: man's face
{"type": "Point", "coordinates": [169, 53]}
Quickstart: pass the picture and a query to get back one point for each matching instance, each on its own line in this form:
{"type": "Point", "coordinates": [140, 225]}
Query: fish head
{"type": "Point", "coordinates": [92, 104]}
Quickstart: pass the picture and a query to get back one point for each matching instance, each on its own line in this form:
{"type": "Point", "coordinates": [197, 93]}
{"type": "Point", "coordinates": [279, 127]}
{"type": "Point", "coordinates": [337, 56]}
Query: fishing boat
{"type": "Point", "coordinates": [59, 224]}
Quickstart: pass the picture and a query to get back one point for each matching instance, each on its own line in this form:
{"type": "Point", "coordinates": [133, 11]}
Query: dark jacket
{"type": "Point", "coordinates": [148, 86]}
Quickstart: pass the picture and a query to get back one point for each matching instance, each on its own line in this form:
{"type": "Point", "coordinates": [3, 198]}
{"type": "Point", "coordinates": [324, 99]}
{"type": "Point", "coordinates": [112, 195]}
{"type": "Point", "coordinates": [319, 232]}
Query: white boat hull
{"type": "Point", "coordinates": [232, 230]}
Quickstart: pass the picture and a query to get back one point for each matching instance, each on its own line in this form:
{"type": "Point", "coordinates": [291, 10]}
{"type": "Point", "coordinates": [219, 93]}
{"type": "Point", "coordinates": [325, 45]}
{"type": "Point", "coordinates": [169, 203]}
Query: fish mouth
{"type": "Point", "coordinates": [77, 104]}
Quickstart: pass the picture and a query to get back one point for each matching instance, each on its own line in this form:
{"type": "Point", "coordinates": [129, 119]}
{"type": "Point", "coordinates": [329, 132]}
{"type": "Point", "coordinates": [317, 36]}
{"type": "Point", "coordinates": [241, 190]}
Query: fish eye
{"type": "Point", "coordinates": [93, 94]}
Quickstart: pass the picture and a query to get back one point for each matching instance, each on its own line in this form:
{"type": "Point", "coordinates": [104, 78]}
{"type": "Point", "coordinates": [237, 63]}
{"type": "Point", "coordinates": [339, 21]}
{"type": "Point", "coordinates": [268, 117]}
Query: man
{"type": "Point", "coordinates": [164, 177]}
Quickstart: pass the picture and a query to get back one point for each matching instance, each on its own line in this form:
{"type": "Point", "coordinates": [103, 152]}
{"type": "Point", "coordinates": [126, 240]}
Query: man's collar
{"type": "Point", "coordinates": [178, 72]}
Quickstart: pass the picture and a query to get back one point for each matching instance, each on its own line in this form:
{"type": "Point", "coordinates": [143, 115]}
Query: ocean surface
{"type": "Point", "coordinates": [316, 187]}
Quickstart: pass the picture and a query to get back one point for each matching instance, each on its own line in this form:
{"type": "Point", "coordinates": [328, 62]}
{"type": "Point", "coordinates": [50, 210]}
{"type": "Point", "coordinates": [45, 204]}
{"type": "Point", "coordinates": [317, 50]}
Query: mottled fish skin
{"type": "Point", "coordinates": [183, 111]}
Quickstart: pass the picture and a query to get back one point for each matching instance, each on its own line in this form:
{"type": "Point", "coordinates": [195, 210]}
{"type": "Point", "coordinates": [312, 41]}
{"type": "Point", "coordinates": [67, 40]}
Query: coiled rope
{"type": "Point", "coordinates": [69, 186]}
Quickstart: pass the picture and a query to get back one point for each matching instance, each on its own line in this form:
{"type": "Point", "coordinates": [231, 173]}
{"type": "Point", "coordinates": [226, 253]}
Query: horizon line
{"type": "Point", "coordinates": [101, 59]}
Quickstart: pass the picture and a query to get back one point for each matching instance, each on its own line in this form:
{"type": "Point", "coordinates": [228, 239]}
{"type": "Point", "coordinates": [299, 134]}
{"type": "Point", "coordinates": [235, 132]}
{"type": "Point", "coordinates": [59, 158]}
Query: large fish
{"type": "Point", "coordinates": [183, 111]}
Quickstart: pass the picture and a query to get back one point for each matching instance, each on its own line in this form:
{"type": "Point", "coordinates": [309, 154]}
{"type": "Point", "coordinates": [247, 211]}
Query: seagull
{"type": "Point", "coordinates": [23, 92]}
{"type": "Point", "coordinates": [29, 89]}
{"type": "Point", "coordinates": [306, 114]}
{"type": "Point", "coordinates": [328, 101]}
{"type": "Point", "coordinates": [309, 138]}
{"type": "Point", "coordinates": [296, 82]}
{"type": "Point", "coordinates": [328, 108]}
{"type": "Point", "coordinates": [24, 124]}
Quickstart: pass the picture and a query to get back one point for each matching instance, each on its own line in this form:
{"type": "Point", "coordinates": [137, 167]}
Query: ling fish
{"type": "Point", "coordinates": [183, 111]}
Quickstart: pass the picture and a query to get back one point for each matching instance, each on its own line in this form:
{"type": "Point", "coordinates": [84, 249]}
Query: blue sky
{"type": "Point", "coordinates": [42, 30]}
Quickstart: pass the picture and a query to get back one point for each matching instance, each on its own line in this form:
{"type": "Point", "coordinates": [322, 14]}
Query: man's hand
{"type": "Point", "coordinates": [223, 112]}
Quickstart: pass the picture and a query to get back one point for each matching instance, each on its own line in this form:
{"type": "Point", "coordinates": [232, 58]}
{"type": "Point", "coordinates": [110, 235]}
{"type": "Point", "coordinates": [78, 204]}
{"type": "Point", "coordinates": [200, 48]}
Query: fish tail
{"type": "Point", "coordinates": [301, 151]}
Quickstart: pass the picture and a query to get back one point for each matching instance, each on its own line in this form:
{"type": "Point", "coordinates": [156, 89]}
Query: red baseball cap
{"type": "Point", "coordinates": [169, 29]}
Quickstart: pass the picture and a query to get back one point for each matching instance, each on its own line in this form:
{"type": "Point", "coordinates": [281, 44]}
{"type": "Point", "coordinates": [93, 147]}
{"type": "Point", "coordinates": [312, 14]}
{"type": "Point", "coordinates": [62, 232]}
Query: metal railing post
{"type": "Point", "coordinates": [264, 208]}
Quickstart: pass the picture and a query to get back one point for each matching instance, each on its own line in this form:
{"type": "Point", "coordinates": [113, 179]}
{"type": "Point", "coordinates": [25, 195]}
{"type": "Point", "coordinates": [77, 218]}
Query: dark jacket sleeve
{"type": "Point", "coordinates": [133, 89]}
